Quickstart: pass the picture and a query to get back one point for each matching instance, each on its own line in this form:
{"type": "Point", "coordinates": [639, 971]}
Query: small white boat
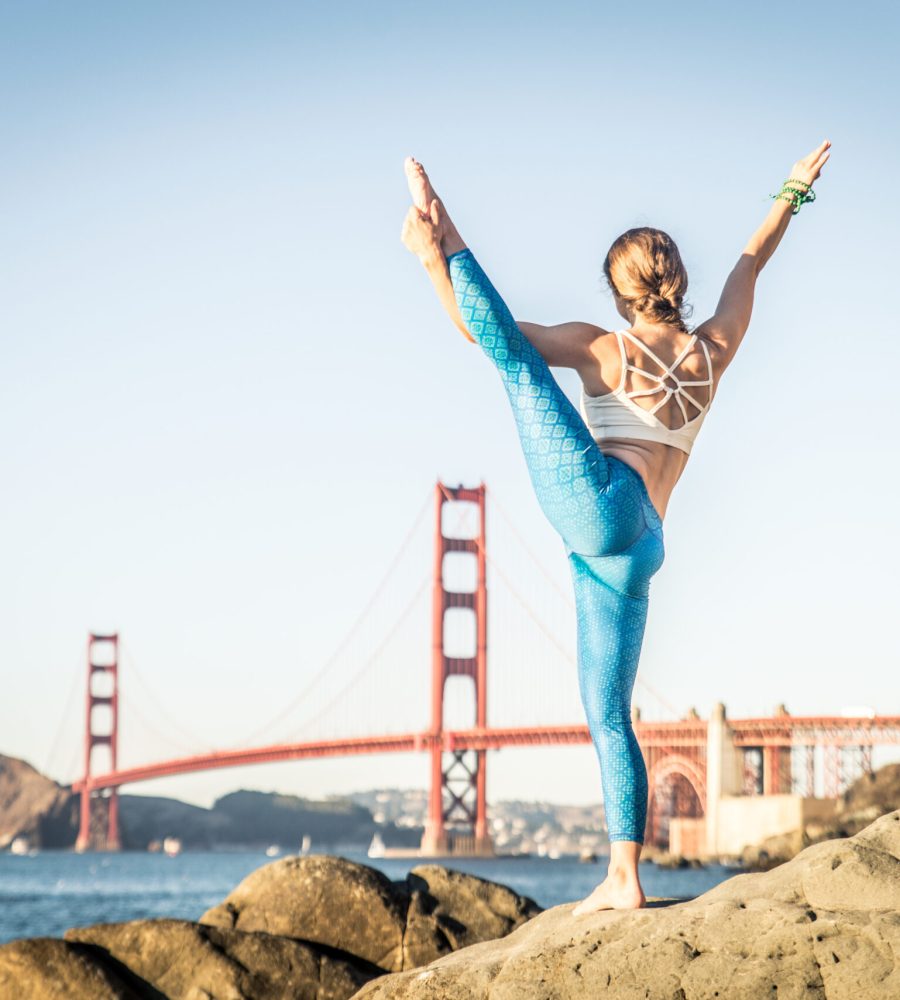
{"type": "Point", "coordinates": [19, 845]}
{"type": "Point", "coordinates": [305, 844]}
{"type": "Point", "coordinates": [272, 851]}
{"type": "Point", "coordinates": [376, 848]}
{"type": "Point", "coordinates": [172, 846]}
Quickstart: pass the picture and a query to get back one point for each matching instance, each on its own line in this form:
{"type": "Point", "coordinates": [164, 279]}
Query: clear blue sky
{"type": "Point", "coordinates": [227, 389]}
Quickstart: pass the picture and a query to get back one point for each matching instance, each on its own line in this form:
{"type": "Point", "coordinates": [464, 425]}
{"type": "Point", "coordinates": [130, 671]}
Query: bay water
{"type": "Point", "coordinates": [44, 893]}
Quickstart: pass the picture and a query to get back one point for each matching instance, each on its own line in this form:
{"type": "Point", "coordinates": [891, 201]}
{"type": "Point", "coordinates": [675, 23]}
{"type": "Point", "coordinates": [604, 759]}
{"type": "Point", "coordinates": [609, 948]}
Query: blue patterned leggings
{"type": "Point", "coordinates": [612, 533]}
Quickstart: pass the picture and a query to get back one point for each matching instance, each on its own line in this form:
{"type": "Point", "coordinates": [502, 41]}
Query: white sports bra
{"type": "Point", "coordinates": [616, 415]}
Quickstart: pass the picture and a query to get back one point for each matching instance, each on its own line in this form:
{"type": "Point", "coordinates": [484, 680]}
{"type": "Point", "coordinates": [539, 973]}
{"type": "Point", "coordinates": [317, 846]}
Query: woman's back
{"type": "Point", "coordinates": [646, 392]}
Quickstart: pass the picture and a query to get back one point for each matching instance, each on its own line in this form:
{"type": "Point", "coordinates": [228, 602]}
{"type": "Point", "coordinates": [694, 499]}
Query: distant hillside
{"type": "Point", "coordinates": [45, 812]}
{"type": "Point", "coordinates": [874, 794]}
{"type": "Point", "coordinates": [31, 804]}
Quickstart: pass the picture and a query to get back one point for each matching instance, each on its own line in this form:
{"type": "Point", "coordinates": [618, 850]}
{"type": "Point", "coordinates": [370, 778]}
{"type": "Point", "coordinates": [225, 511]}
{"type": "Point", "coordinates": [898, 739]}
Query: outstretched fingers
{"type": "Point", "coordinates": [816, 159]}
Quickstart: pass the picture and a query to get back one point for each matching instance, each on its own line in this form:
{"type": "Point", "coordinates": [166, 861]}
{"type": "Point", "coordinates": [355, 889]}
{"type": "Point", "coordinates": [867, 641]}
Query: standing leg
{"type": "Point", "coordinates": [611, 626]}
{"type": "Point", "coordinates": [610, 634]}
{"type": "Point", "coordinates": [570, 475]}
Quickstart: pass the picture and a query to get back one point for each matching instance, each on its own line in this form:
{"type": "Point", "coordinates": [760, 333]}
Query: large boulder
{"type": "Point", "coordinates": [449, 910]}
{"type": "Point", "coordinates": [182, 960]}
{"type": "Point", "coordinates": [321, 898]}
{"type": "Point", "coordinates": [395, 925]}
{"type": "Point", "coordinates": [824, 925]}
{"type": "Point", "coordinates": [50, 969]}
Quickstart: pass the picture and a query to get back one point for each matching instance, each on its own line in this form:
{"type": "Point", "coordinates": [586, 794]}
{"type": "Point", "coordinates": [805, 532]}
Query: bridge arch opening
{"type": "Point", "coordinates": [676, 790]}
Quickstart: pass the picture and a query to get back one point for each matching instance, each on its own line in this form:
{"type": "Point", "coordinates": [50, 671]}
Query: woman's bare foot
{"type": "Point", "coordinates": [618, 891]}
{"type": "Point", "coordinates": [422, 195]}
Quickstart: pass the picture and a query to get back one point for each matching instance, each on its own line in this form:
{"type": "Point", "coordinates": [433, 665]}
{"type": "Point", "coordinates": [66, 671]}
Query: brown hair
{"type": "Point", "coordinates": [644, 268]}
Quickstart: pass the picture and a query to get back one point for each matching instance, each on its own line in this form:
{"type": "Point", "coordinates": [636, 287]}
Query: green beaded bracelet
{"type": "Point", "coordinates": [796, 196]}
{"type": "Point", "coordinates": [786, 197]}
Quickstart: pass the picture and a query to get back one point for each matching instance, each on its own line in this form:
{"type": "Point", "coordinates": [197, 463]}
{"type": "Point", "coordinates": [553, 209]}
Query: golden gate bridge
{"type": "Point", "coordinates": [704, 774]}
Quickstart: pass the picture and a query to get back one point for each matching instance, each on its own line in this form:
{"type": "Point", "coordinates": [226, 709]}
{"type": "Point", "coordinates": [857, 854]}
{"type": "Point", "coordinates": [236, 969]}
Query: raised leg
{"type": "Point", "coordinates": [422, 194]}
{"type": "Point", "coordinates": [570, 475]}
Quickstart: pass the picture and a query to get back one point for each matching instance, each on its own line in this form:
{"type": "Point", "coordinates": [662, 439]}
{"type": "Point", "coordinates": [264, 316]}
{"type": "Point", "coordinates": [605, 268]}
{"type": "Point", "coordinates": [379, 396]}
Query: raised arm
{"type": "Point", "coordinates": [726, 328]}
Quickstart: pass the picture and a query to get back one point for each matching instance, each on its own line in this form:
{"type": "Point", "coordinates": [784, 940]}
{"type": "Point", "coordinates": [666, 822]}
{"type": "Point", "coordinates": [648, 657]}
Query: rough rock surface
{"type": "Point", "coordinates": [823, 926]}
{"type": "Point", "coordinates": [50, 969]}
{"type": "Point", "coordinates": [182, 960]}
{"type": "Point", "coordinates": [320, 898]}
{"type": "Point", "coordinates": [449, 910]}
{"type": "Point", "coordinates": [395, 925]}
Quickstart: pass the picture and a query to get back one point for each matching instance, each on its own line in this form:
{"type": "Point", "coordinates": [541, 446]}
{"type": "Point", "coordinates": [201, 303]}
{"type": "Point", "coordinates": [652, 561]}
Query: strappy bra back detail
{"type": "Point", "coordinates": [616, 414]}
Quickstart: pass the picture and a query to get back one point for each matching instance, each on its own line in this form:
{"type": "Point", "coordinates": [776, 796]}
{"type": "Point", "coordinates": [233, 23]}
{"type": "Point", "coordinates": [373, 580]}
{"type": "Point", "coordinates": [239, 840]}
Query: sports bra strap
{"type": "Point", "coordinates": [621, 384]}
{"type": "Point", "coordinates": [666, 368]}
{"type": "Point", "coordinates": [668, 372]}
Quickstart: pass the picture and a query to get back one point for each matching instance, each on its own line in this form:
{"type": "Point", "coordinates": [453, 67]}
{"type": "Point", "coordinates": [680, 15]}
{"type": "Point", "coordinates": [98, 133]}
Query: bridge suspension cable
{"type": "Point", "coordinates": [348, 636]}
{"type": "Point", "coordinates": [322, 712]}
{"type": "Point", "coordinates": [463, 514]}
{"type": "Point", "coordinates": [187, 741]}
{"type": "Point", "coordinates": [77, 675]}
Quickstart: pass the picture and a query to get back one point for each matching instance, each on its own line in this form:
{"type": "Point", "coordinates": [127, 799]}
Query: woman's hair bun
{"type": "Point", "coordinates": [645, 269]}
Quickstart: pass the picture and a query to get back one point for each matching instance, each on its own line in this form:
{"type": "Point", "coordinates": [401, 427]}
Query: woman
{"type": "Point", "coordinates": [604, 476]}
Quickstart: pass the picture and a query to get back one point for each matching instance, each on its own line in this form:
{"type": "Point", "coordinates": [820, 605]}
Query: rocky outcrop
{"type": "Point", "coordinates": [870, 796]}
{"type": "Point", "coordinates": [395, 925]}
{"type": "Point", "coordinates": [323, 899]}
{"type": "Point", "coordinates": [181, 959]}
{"type": "Point", "coordinates": [878, 789]}
{"type": "Point", "coordinates": [824, 926]}
{"type": "Point", "coordinates": [47, 967]}
{"type": "Point", "coordinates": [311, 928]}
{"type": "Point", "coordinates": [29, 802]}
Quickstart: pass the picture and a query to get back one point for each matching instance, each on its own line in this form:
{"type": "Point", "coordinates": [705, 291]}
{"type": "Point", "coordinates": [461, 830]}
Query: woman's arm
{"type": "Point", "coordinates": [435, 263]}
{"type": "Point", "coordinates": [727, 327]}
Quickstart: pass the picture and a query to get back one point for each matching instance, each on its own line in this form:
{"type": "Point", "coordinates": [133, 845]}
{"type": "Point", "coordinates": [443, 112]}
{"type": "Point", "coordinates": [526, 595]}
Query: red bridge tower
{"type": "Point", "coordinates": [109, 665]}
{"type": "Point", "coordinates": [457, 813]}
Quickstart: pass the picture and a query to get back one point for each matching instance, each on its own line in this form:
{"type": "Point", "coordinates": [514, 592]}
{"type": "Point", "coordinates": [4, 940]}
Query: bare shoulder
{"type": "Point", "coordinates": [720, 353]}
{"type": "Point", "coordinates": [602, 366]}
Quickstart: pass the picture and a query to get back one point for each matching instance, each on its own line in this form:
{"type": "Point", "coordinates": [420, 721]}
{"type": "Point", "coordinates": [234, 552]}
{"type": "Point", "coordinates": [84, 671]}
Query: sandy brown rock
{"type": "Point", "coordinates": [395, 925]}
{"type": "Point", "coordinates": [324, 899]}
{"type": "Point", "coordinates": [187, 961]}
{"type": "Point", "coordinates": [50, 969]}
{"type": "Point", "coordinates": [449, 910]}
{"type": "Point", "coordinates": [823, 926]}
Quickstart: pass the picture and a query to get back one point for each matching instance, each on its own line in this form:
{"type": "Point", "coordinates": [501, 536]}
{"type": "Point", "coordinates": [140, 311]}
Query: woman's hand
{"type": "Point", "coordinates": [809, 167]}
{"type": "Point", "coordinates": [422, 233]}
